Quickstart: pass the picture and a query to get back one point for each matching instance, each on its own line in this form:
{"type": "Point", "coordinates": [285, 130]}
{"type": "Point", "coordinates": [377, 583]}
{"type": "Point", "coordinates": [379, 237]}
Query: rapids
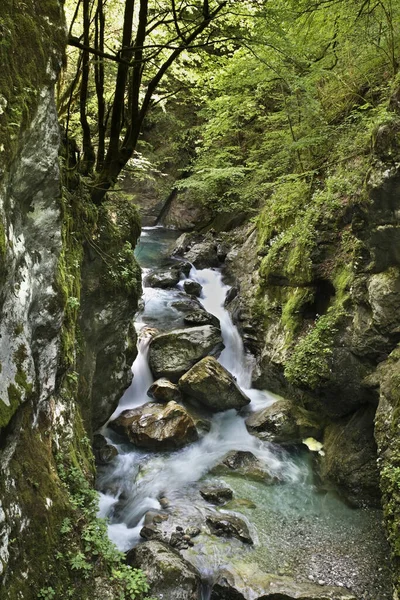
{"type": "Point", "coordinates": [291, 523]}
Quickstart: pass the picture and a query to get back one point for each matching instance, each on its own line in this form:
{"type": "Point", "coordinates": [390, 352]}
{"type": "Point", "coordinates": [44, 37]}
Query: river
{"type": "Point", "coordinates": [299, 527]}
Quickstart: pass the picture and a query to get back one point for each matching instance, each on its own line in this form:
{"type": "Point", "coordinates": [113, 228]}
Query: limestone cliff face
{"type": "Point", "coordinates": [66, 310]}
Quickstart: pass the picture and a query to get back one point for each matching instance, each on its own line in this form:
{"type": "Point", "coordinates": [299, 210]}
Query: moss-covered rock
{"type": "Point", "coordinates": [284, 422]}
{"type": "Point", "coordinates": [210, 384]}
{"type": "Point", "coordinates": [387, 427]}
{"type": "Point", "coordinates": [164, 568]}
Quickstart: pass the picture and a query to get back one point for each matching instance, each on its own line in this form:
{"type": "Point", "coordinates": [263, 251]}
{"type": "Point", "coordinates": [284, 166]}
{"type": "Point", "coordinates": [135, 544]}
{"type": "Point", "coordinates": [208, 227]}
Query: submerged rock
{"type": "Point", "coordinates": [240, 462]}
{"type": "Point", "coordinates": [216, 494]}
{"type": "Point", "coordinates": [169, 575]}
{"type": "Point", "coordinates": [252, 584]}
{"type": "Point", "coordinates": [283, 422]}
{"type": "Point", "coordinates": [213, 386]}
{"type": "Point", "coordinates": [224, 525]}
{"type": "Point", "coordinates": [164, 390]}
{"type": "Point", "coordinates": [172, 354]}
{"type": "Point", "coordinates": [192, 287]}
{"type": "Point", "coordinates": [157, 426]}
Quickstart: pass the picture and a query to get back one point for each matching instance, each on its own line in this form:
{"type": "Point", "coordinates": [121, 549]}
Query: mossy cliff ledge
{"type": "Point", "coordinates": [64, 347]}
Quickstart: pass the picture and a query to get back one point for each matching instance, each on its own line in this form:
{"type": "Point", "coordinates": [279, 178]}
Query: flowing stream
{"type": "Point", "coordinates": [298, 528]}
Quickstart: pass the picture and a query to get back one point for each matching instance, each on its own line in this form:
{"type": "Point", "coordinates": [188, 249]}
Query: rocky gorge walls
{"type": "Point", "coordinates": [66, 334]}
{"type": "Point", "coordinates": [316, 294]}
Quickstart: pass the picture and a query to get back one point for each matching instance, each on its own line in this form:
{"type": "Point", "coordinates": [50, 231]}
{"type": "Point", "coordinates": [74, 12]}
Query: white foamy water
{"type": "Point", "coordinates": [136, 479]}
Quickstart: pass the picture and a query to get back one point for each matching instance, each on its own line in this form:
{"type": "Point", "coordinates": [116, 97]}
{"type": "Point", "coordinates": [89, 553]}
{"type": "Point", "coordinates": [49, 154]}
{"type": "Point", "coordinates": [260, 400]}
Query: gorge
{"type": "Point", "coordinates": [229, 227]}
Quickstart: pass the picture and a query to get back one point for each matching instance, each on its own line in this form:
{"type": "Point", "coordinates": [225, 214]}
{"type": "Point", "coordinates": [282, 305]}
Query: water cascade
{"type": "Point", "coordinates": [276, 515]}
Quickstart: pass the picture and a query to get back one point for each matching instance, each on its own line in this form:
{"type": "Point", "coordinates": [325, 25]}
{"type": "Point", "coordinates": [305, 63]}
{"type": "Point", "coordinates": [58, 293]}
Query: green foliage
{"type": "Point", "coordinates": [309, 365]}
{"type": "Point", "coordinates": [86, 548]}
{"type": "Point", "coordinates": [46, 593]}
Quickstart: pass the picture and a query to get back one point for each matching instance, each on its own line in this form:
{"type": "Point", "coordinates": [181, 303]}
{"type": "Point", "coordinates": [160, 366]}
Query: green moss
{"type": "Point", "coordinates": [292, 316]}
{"type": "Point", "coordinates": [29, 30]}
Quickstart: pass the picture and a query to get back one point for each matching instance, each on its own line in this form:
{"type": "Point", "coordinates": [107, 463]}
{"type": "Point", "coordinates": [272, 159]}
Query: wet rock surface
{"type": "Point", "coordinates": [164, 391]}
{"type": "Point", "coordinates": [216, 494]}
{"type": "Point", "coordinates": [349, 459]}
{"type": "Point", "coordinates": [102, 450]}
{"type": "Point", "coordinates": [169, 575]}
{"type": "Point", "coordinates": [156, 426]}
{"type": "Point", "coordinates": [224, 525]}
{"type": "Point", "coordinates": [243, 463]}
{"type": "Point", "coordinates": [172, 354]}
{"type": "Point", "coordinates": [283, 422]}
{"type": "Point", "coordinates": [251, 584]}
{"type": "Point", "coordinates": [213, 386]}
{"type": "Point", "coordinates": [163, 279]}
{"type": "Point", "coordinates": [192, 287]}
{"type": "Point", "coordinates": [203, 255]}
{"type": "Point", "coordinates": [200, 317]}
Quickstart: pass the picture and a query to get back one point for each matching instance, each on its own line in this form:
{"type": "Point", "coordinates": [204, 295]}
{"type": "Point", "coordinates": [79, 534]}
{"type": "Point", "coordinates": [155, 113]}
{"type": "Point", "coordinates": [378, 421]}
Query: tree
{"type": "Point", "coordinates": [154, 34]}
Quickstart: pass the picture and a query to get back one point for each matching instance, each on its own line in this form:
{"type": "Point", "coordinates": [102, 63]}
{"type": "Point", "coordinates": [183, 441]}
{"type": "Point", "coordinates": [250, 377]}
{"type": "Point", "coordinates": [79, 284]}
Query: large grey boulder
{"type": "Point", "coordinates": [157, 426]}
{"type": "Point", "coordinates": [163, 279]}
{"type": "Point", "coordinates": [213, 386]}
{"type": "Point", "coordinates": [283, 422]}
{"type": "Point", "coordinates": [203, 255]}
{"type": "Point", "coordinates": [200, 317]}
{"type": "Point", "coordinates": [252, 584]}
{"type": "Point", "coordinates": [170, 576]}
{"type": "Point", "coordinates": [192, 287]}
{"type": "Point", "coordinates": [172, 354]}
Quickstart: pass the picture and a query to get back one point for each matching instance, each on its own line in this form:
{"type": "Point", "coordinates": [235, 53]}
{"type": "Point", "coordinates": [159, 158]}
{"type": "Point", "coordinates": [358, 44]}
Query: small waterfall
{"type": "Point", "coordinates": [140, 477]}
{"type": "Point", "coordinates": [233, 357]}
{"type": "Point", "coordinates": [136, 394]}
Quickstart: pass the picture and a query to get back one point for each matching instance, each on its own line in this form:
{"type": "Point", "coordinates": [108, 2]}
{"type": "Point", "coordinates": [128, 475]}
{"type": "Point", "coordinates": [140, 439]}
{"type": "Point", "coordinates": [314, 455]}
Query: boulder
{"type": "Point", "coordinates": [193, 288]}
{"type": "Point", "coordinates": [200, 317]}
{"type": "Point", "coordinates": [249, 583]}
{"type": "Point", "coordinates": [243, 463]}
{"type": "Point", "coordinates": [169, 576]}
{"type": "Point", "coordinates": [151, 529]}
{"type": "Point", "coordinates": [166, 278]}
{"type": "Point", "coordinates": [349, 459]}
{"type": "Point", "coordinates": [172, 354]}
{"type": "Point", "coordinates": [224, 525]}
{"type": "Point", "coordinates": [164, 391]}
{"type": "Point", "coordinates": [184, 267]}
{"type": "Point", "coordinates": [283, 422]}
{"type": "Point", "coordinates": [187, 305]}
{"type": "Point", "coordinates": [216, 494]}
{"type": "Point", "coordinates": [183, 243]}
{"type": "Point", "coordinates": [213, 386]}
{"type": "Point", "coordinates": [157, 426]}
{"type": "Point", "coordinates": [203, 255]}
